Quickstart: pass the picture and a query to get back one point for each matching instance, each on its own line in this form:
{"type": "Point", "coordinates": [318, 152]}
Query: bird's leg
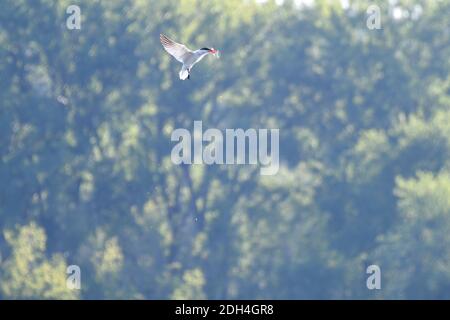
{"type": "Point", "coordinates": [189, 74]}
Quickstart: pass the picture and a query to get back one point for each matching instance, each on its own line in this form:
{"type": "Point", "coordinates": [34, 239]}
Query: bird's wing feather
{"type": "Point", "coordinates": [177, 50]}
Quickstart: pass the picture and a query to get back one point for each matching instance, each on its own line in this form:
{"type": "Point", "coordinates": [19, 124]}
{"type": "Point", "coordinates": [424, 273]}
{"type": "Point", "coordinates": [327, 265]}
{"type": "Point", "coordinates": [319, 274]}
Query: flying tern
{"type": "Point", "coordinates": [184, 55]}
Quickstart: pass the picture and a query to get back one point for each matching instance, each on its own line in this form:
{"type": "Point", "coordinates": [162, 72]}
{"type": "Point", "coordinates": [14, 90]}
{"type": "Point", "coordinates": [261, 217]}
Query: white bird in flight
{"type": "Point", "coordinates": [186, 56]}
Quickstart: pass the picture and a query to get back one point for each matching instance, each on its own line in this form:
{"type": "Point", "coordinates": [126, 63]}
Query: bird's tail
{"type": "Point", "coordinates": [184, 73]}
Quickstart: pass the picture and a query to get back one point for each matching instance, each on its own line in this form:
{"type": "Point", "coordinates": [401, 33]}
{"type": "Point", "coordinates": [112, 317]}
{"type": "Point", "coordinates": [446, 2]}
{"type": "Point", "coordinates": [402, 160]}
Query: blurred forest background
{"type": "Point", "coordinates": [86, 177]}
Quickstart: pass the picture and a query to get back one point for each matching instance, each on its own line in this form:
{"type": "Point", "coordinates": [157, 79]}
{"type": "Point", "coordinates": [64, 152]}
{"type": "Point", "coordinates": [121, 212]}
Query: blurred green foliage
{"type": "Point", "coordinates": [85, 123]}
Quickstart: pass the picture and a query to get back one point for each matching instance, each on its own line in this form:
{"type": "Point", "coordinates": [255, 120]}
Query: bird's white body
{"type": "Point", "coordinates": [191, 60]}
{"type": "Point", "coordinates": [184, 55]}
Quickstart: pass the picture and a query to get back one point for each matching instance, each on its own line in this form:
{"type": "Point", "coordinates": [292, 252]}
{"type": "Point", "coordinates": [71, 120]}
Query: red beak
{"type": "Point", "coordinates": [213, 50]}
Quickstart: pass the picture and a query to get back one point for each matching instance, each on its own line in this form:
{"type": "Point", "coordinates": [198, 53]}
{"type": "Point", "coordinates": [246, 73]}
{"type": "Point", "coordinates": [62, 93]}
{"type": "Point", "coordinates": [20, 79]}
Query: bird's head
{"type": "Point", "coordinates": [209, 50]}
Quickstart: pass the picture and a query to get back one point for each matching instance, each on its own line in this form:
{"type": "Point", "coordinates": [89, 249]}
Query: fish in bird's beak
{"type": "Point", "coordinates": [214, 52]}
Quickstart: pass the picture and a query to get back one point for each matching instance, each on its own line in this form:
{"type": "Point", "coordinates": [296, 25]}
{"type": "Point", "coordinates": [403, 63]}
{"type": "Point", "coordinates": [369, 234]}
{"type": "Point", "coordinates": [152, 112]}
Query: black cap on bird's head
{"type": "Point", "coordinates": [212, 50]}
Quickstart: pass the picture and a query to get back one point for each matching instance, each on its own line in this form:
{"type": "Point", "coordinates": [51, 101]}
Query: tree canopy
{"type": "Point", "coordinates": [86, 177]}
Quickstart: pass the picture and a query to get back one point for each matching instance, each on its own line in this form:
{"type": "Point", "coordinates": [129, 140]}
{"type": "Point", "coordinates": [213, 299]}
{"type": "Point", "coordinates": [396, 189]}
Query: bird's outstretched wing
{"type": "Point", "coordinates": [177, 50]}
